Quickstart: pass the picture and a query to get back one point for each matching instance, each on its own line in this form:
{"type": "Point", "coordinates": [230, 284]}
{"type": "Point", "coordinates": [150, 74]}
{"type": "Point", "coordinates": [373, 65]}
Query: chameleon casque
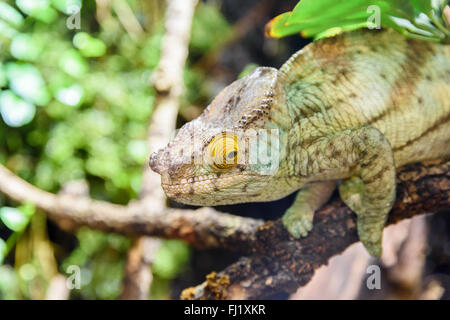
{"type": "Point", "coordinates": [349, 111]}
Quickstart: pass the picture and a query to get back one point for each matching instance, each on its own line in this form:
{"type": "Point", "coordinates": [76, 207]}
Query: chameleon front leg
{"type": "Point", "coordinates": [299, 217]}
{"type": "Point", "coordinates": [364, 158]}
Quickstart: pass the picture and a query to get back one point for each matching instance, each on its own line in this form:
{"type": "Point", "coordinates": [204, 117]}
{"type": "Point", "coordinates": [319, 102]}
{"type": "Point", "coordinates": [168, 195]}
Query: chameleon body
{"type": "Point", "coordinates": [349, 111]}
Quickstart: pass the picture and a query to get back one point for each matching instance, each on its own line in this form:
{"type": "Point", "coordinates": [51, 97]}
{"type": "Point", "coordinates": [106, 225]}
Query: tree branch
{"type": "Point", "coordinates": [138, 274]}
{"type": "Point", "coordinates": [204, 227]}
{"type": "Point", "coordinates": [281, 263]}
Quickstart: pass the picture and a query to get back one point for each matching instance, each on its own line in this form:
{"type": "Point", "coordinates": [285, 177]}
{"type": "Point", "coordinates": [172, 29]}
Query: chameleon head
{"type": "Point", "coordinates": [230, 153]}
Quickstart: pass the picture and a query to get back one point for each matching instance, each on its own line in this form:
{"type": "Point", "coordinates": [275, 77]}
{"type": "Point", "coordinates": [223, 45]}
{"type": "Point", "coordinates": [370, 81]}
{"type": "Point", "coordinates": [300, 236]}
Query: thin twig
{"type": "Point", "coordinates": [204, 227]}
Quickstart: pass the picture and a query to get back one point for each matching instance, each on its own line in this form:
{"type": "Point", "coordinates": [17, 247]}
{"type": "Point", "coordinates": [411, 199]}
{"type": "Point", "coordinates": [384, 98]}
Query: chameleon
{"type": "Point", "coordinates": [349, 110]}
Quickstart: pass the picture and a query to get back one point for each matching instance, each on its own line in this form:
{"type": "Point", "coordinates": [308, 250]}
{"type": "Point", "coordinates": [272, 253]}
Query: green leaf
{"type": "Point", "coordinates": [28, 209]}
{"type": "Point", "coordinates": [10, 15]}
{"type": "Point", "coordinates": [88, 45]}
{"type": "Point", "coordinates": [209, 28]}
{"type": "Point", "coordinates": [6, 30]}
{"type": "Point", "coordinates": [351, 22]}
{"type": "Point", "coordinates": [25, 47]}
{"type": "Point", "coordinates": [73, 63]}
{"type": "Point", "coordinates": [26, 81]}
{"type": "Point", "coordinates": [13, 218]}
{"type": "Point", "coordinates": [307, 10]}
{"type": "Point", "coordinates": [278, 28]}
{"type": "Point", "coordinates": [138, 150]}
{"type": "Point", "coordinates": [39, 9]}
{"type": "Point", "coordinates": [15, 111]}
{"type": "Point", "coordinates": [322, 18]}
{"type": "Point", "coordinates": [3, 250]}
{"type": "Point", "coordinates": [70, 96]}
{"type": "Point", "coordinates": [170, 258]}
{"type": "Point", "coordinates": [337, 30]}
{"type": "Point", "coordinates": [65, 5]}
{"type": "Point", "coordinates": [422, 5]}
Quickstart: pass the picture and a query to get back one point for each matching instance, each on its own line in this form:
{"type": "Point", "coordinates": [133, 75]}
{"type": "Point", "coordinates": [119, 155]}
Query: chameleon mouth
{"type": "Point", "coordinates": [202, 184]}
{"type": "Point", "coordinates": [190, 180]}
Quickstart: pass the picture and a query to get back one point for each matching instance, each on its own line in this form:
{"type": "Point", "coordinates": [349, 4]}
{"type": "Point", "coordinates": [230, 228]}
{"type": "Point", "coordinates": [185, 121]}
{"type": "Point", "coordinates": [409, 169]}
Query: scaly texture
{"type": "Point", "coordinates": [352, 108]}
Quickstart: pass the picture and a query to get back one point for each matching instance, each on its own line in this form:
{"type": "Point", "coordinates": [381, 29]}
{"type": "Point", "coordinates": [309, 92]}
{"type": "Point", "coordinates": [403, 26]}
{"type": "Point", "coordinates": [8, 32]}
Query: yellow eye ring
{"type": "Point", "coordinates": [223, 150]}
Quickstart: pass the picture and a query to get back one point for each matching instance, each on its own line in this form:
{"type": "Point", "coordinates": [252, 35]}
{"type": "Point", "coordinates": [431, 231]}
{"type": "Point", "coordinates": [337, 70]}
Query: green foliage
{"type": "Point", "coordinates": [209, 28]}
{"type": "Point", "coordinates": [422, 19]}
{"type": "Point", "coordinates": [89, 46]}
{"type": "Point", "coordinates": [10, 15]}
{"type": "Point", "coordinates": [170, 258]}
{"type": "Point", "coordinates": [16, 220]}
{"type": "Point", "coordinates": [39, 9]}
{"type": "Point", "coordinates": [74, 110]}
{"type": "Point", "coordinates": [101, 257]}
{"type": "Point", "coordinates": [75, 104]}
{"type": "Point", "coordinates": [15, 111]}
{"type": "Point", "coordinates": [170, 261]}
{"type": "Point", "coordinates": [13, 218]}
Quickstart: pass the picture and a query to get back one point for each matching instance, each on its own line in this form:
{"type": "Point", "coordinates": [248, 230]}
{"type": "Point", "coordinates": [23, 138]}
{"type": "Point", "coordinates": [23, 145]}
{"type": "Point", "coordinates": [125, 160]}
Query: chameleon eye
{"type": "Point", "coordinates": [223, 150]}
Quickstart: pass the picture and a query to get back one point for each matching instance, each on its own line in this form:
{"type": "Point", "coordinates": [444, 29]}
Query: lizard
{"type": "Point", "coordinates": [349, 110]}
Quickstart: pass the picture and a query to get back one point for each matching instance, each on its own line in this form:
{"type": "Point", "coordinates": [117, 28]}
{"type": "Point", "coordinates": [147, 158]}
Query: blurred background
{"type": "Point", "coordinates": [75, 105]}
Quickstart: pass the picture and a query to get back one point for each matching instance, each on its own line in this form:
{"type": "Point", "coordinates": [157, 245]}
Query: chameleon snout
{"type": "Point", "coordinates": [168, 170]}
{"type": "Point", "coordinates": [154, 163]}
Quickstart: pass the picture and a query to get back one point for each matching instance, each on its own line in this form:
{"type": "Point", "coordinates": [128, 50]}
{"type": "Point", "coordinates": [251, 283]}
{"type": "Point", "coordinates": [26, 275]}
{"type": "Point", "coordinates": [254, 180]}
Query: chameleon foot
{"type": "Point", "coordinates": [298, 221]}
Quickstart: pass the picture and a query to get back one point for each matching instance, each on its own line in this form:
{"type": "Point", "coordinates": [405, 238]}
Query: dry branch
{"type": "Point", "coordinates": [281, 263]}
{"type": "Point", "coordinates": [138, 275]}
{"type": "Point", "coordinates": [204, 228]}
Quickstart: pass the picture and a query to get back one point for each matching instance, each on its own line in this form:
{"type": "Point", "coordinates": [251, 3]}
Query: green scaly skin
{"type": "Point", "coordinates": [349, 110]}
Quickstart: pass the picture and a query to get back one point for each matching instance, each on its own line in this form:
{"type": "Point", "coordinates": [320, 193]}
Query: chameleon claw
{"type": "Point", "coordinates": [298, 225]}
